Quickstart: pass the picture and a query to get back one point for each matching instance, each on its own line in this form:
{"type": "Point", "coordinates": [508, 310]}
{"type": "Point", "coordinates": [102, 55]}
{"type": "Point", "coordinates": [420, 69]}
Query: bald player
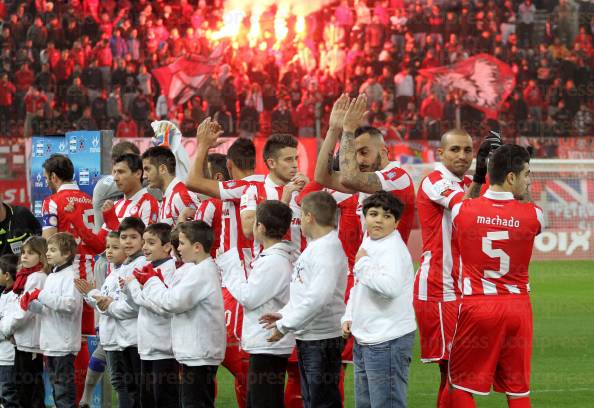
{"type": "Point", "coordinates": [436, 287]}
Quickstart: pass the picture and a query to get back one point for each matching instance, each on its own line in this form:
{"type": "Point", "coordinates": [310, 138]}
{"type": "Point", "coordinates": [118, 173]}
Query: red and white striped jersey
{"type": "Point", "coordinates": [231, 231]}
{"type": "Point", "coordinates": [78, 221]}
{"type": "Point", "coordinates": [394, 179]}
{"type": "Point", "coordinates": [437, 277]}
{"type": "Point", "coordinates": [175, 199]}
{"type": "Point", "coordinates": [495, 236]}
{"type": "Point", "coordinates": [268, 190]}
{"type": "Point", "coordinates": [211, 212]}
{"type": "Point", "coordinates": [141, 205]}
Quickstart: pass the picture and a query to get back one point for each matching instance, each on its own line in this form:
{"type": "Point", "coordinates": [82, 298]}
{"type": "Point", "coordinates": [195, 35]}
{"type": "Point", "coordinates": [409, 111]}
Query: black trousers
{"type": "Point", "coordinates": [266, 381]}
{"type": "Point", "coordinates": [61, 374]}
{"type": "Point", "coordinates": [124, 370]}
{"type": "Point", "coordinates": [159, 383]}
{"type": "Point", "coordinates": [319, 368]}
{"type": "Point", "coordinates": [198, 386]}
{"type": "Point", "coordinates": [28, 379]}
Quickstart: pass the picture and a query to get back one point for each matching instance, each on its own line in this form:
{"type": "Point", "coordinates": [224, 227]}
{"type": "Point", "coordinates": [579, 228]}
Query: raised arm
{"type": "Point", "coordinates": [489, 145]}
{"type": "Point", "coordinates": [324, 173]}
{"type": "Point", "coordinates": [206, 136]}
{"type": "Point", "coordinates": [350, 175]}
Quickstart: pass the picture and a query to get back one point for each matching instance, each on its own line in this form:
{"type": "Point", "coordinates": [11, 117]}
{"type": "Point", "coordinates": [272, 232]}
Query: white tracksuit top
{"type": "Point", "coordinates": [195, 300]}
{"type": "Point", "coordinates": [380, 305]}
{"type": "Point", "coordinates": [266, 290]}
{"type": "Point", "coordinates": [317, 291]}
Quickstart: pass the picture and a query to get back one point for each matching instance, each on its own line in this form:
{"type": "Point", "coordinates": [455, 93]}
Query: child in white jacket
{"type": "Point", "coordinates": [120, 336]}
{"type": "Point", "coordinates": [195, 300]}
{"type": "Point", "coordinates": [379, 313]}
{"type": "Point", "coordinates": [9, 303]}
{"type": "Point", "coordinates": [24, 326]}
{"type": "Point", "coordinates": [60, 306]}
{"type": "Point", "coordinates": [316, 303]}
{"type": "Point", "coordinates": [158, 368]}
{"type": "Point", "coordinates": [266, 290]}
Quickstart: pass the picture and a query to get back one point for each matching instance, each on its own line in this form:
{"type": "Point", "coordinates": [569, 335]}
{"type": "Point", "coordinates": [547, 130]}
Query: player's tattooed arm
{"type": "Point", "coordinates": [350, 175]}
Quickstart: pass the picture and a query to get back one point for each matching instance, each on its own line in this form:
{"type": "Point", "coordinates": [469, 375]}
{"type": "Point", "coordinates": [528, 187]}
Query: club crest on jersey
{"type": "Point", "coordinates": [134, 210]}
{"type": "Point", "coordinates": [229, 184]}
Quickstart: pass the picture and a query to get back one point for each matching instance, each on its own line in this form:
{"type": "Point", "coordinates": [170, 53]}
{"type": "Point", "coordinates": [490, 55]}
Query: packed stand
{"type": "Point", "coordinates": [87, 65]}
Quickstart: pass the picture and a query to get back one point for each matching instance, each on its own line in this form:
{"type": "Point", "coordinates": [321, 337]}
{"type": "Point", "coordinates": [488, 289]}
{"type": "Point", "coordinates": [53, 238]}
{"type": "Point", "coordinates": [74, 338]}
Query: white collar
{"type": "Point", "coordinates": [499, 195]}
{"type": "Point", "coordinates": [270, 183]}
{"type": "Point", "coordinates": [171, 186]}
{"type": "Point", "coordinates": [391, 165]}
{"type": "Point", "coordinates": [137, 195]}
{"type": "Point", "coordinates": [68, 186]}
{"type": "Point", "coordinates": [447, 173]}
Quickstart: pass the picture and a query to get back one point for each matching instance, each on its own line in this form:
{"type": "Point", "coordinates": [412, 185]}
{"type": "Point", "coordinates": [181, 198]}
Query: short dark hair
{"type": "Point", "coordinates": [198, 231]}
{"type": "Point", "coordinates": [277, 142]}
{"type": "Point", "coordinates": [322, 206]}
{"type": "Point", "coordinates": [276, 216]}
{"type": "Point", "coordinates": [386, 201]}
{"type": "Point", "coordinates": [509, 158]}
{"type": "Point", "coordinates": [158, 155]}
{"type": "Point", "coordinates": [121, 148]}
{"type": "Point", "coordinates": [242, 154]}
{"type": "Point", "coordinates": [61, 166]}
{"type": "Point", "coordinates": [132, 223]}
{"type": "Point", "coordinates": [373, 131]}
{"type": "Point", "coordinates": [8, 264]}
{"type": "Point", "coordinates": [218, 163]}
{"type": "Point", "coordinates": [113, 234]}
{"type": "Point", "coordinates": [175, 239]}
{"type": "Point", "coordinates": [132, 160]}
{"type": "Point", "coordinates": [161, 230]}
{"type": "Point", "coordinates": [65, 243]}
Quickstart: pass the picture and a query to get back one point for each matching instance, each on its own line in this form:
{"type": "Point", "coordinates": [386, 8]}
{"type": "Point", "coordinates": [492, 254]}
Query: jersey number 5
{"type": "Point", "coordinates": [496, 253]}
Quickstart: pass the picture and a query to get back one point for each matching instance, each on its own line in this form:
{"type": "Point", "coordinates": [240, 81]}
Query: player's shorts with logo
{"type": "Point", "coordinates": [492, 345]}
{"type": "Point", "coordinates": [436, 322]}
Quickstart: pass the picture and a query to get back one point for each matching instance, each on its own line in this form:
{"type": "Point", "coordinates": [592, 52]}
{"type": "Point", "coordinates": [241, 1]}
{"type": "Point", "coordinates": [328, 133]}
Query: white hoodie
{"type": "Point", "coordinates": [317, 291]}
{"type": "Point", "coordinates": [154, 324]}
{"type": "Point", "coordinates": [61, 314]}
{"type": "Point", "coordinates": [380, 305]}
{"type": "Point", "coordinates": [9, 302]}
{"type": "Point", "coordinates": [196, 302]}
{"type": "Point", "coordinates": [122, 310]}
{"type": "Point", "coordinates": [266, 290]}
{"type": "Point", "coordinates": [25, 326]}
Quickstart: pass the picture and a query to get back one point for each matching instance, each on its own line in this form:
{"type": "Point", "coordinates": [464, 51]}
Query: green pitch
{"type": "Point", "coordinates": [563, 354]}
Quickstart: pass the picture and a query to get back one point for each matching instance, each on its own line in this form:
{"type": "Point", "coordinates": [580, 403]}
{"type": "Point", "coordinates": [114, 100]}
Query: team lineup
{"type": "Point", "coordinates": [281, 279]}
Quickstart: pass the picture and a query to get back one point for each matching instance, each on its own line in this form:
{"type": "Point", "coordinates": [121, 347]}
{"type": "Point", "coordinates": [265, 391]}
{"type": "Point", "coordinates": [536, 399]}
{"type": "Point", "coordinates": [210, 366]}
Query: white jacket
{"type": "Point", "coordinates": [266, 290]}
{"type": "Point", "coordinates": [61, 314]}
{"type": "Point", "coordinates": [9, 302]}
{"type": "Point", "coordinates": [123, 311]}
{"type": "Point", "coordinates": [198, 323]}
{"type": "Point", "coordinates": [25, 326]}
{"type": "Point", "coordinates": [107, 324]}
{"type": "Point", "coordinates": [154, 324]}
{"type": "Point", "coordinates": [380, 305]}
{"type": "Point", "coordinates": [317, 291]}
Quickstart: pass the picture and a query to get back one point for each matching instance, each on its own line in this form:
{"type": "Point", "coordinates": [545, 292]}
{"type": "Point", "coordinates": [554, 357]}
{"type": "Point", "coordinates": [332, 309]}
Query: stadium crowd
{"type": "Point", "coordinates": [87, 65]}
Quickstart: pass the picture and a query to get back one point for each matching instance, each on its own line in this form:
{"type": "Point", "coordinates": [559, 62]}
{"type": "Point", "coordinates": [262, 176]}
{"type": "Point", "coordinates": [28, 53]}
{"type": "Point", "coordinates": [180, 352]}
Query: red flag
{"type": "Point", "coordinates": [483, 82]}
{"type": "Point", "coordinates": [182, 79]}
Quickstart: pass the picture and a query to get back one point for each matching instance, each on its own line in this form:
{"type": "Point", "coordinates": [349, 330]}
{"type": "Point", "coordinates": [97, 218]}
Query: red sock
{"type": "Point", "coordinates": [293, 388]}
{"type": "Point", "coordinates": [341, 382]}
{"type": "Point", "coordinates": [519, 402]}
{"type": "Point", "coordinates": [461, 399]}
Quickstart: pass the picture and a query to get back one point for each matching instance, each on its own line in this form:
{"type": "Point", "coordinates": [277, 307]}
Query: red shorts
{"type": "Point", "coordinates": [493, 345]}
{"type": "Point", "coordinates": [436, 321]}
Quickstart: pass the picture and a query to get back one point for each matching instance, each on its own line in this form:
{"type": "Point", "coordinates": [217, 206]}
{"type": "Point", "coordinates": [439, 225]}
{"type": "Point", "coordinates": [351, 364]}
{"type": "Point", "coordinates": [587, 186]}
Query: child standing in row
{"type": "Point", "coordinates": [158, 369]}
{"type": "Point", "coordinates": [316, 304]}
{"type": "Point", "coordinates": [60, 306]}
{"type": "Point", "coordinates": [379, 313]}
{"type": "Point", "coordinates": [9, 303]}
{"type": "Point", "coordinates": [265, 290]}
{"type": "Point", "coordinates": [25, 326]}
{"type": "Point", "coordinates": [195, 301]}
